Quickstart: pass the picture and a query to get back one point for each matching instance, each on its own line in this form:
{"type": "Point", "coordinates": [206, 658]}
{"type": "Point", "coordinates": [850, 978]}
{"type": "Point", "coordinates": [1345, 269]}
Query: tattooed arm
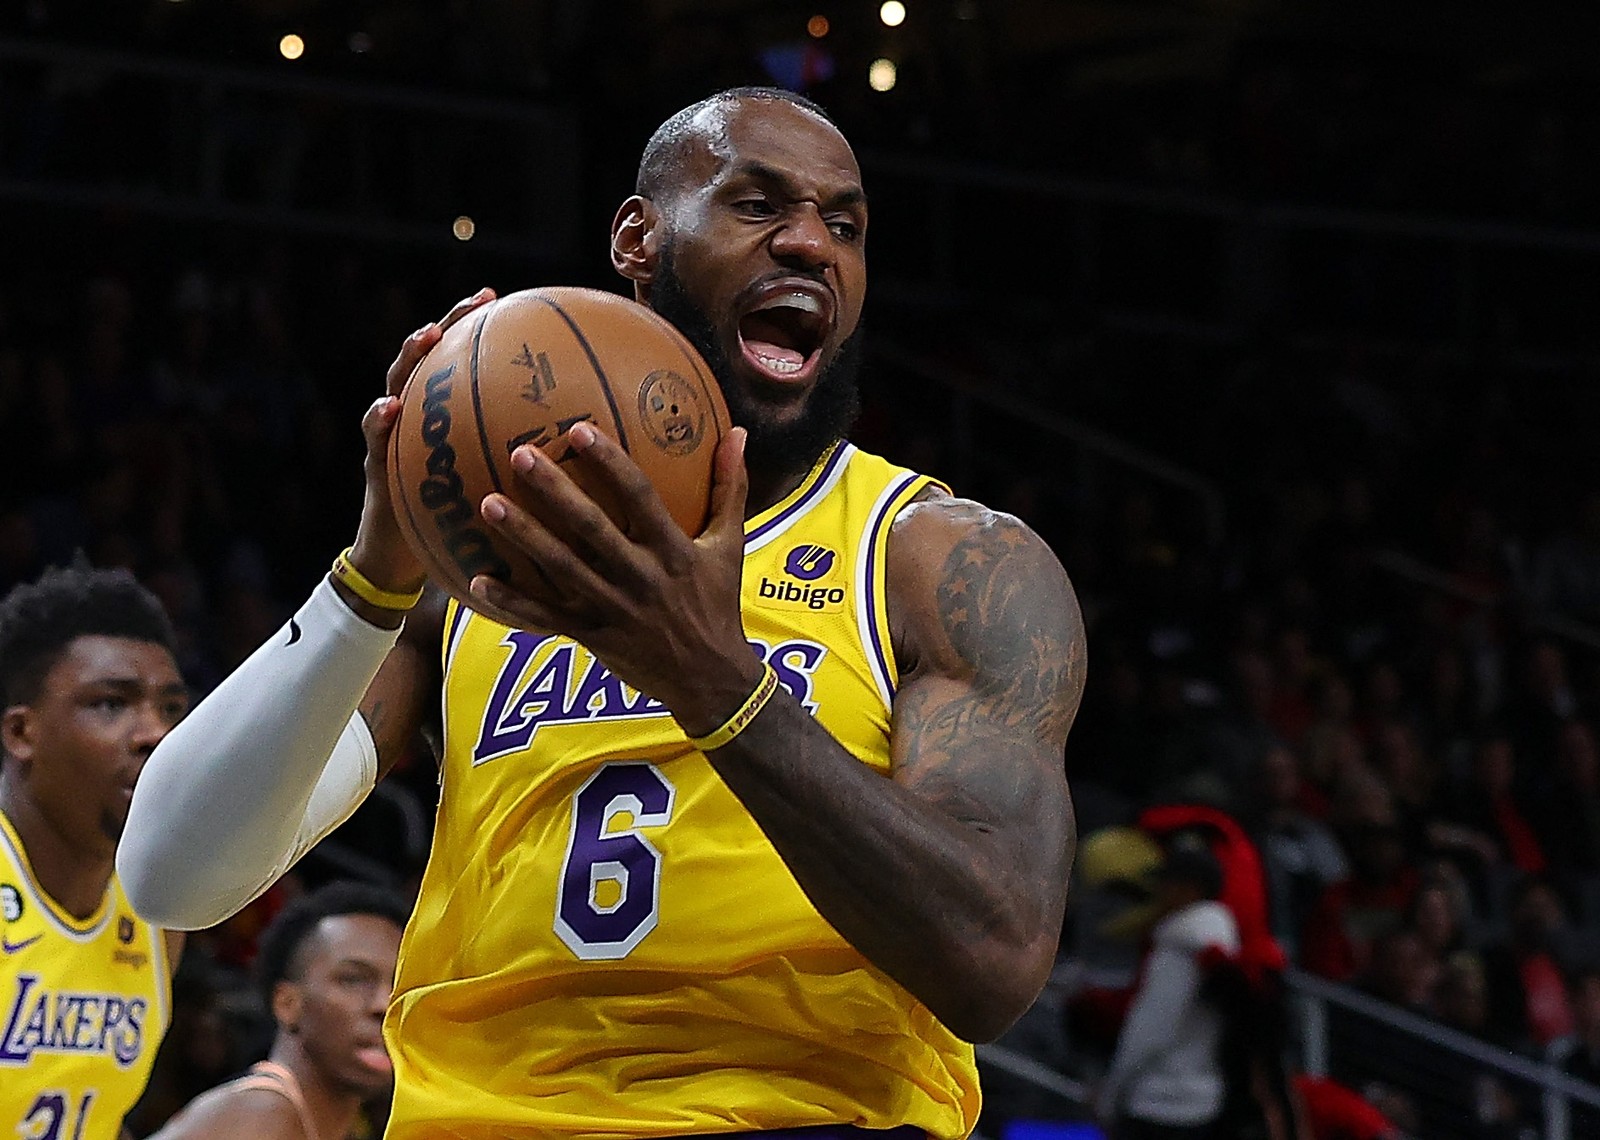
{"type": "Point", "coordinates": [952, 876]}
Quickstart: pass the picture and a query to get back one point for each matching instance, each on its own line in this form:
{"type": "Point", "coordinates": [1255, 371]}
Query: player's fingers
{"type": "Point", "coordinates": [416, 346]}
{"type": "Point", "coordinates": [648, 521]}
{"type": "Point", "coordinates": [583, 578]}
{"type": "Point", "coordinates": [531, 612]}
{"type": "Point", "coordinates": [412, 350]}
{"type": "Point", "coordinates": [466, 305]}
{"type": "Point", "coordinates": [730, 488]}
{"type": "Point", "coordinates": [376, 426]}
{"type": "Point", "coordinates": [572, 513]}
{"type": "Point", "coordinates": [378, 422]}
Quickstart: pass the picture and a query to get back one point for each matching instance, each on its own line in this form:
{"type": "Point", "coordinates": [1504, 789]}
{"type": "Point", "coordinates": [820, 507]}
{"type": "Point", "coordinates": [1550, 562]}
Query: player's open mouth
{"type": "Point", "coordinates": [782, 336]}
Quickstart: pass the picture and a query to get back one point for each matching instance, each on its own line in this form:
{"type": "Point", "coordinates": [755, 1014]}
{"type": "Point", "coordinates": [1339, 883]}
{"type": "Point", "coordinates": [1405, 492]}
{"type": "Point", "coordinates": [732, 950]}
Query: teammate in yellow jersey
{"type": "Point", "coordinates": [88, 686]}
{"type": "Point", "coordinates": [774, 823]}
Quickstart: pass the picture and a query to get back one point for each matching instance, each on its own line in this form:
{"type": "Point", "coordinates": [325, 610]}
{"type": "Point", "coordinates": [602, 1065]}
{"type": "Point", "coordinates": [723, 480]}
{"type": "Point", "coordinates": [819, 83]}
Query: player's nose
{"type": "Point", "coordinates": [150, 724]}
{"type": "Point", "coordinates": [804, 239]}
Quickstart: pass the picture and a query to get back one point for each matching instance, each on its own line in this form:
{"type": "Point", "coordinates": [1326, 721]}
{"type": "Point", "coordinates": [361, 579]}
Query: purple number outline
{"type": "Point", "coordinates": [53, 1102]}
{"type": "Point", "coordinates": [594, 854]}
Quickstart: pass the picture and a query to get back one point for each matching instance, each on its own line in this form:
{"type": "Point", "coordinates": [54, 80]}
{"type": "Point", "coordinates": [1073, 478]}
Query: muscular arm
{"type": "Point", "coordinates": [403, 698]}
{"type": "Point", "coordinates": [952, 876]}
{"type": "Point", "coordinates": [271, 761]}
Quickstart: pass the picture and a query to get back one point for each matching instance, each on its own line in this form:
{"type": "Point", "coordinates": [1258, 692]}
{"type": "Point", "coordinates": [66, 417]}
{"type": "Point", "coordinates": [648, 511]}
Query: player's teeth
{"type": "Point", "coordinates": [805, 302]}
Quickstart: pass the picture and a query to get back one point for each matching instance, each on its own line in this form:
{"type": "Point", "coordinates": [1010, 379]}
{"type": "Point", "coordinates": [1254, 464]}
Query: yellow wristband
{"type": "Point", "coordinates": [740, 720]}
{"type": "Point", "coordinates": [362, 586]}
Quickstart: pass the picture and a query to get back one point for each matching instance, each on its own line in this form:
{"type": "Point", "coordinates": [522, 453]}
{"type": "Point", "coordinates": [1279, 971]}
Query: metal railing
{"type": "Point", "coordinates": [1451, 1084]}
{"type": "Point", "coordinates": [1418, 572]}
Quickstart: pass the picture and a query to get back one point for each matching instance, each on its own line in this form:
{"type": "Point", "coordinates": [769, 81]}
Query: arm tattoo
{"type": "Point", "coordinates": [1001, 623]}
{"type": "Point", "coordinates": [1004, 606]}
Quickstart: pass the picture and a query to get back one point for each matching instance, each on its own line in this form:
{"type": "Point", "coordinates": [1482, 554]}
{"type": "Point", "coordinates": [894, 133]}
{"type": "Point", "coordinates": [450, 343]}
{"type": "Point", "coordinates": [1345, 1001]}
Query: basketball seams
{"type": "Point", "coordinates": [477, 407]}
{"type": "Point", "coordinates": [594, 361]}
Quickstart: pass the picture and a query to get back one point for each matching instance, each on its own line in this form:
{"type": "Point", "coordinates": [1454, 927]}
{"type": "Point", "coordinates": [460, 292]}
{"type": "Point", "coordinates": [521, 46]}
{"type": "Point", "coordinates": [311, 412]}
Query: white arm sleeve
{"type": "Point", "coordinates": [267, 764]}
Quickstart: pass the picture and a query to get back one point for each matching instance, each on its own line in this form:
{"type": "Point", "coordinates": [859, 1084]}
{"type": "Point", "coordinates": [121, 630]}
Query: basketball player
{"type": "Point", "coordinates": [88, 685]}
{"type": "Point", "coordinates": [326, 966]}
{"type": "Point", "coordinates": [679, 887]}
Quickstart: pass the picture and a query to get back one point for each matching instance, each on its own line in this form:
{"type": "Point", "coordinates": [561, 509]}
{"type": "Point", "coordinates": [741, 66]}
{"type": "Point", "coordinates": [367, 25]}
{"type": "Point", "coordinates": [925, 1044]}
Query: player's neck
{"type": "Point", "coordinates": [767, 491]}
{"type": "Point", "coordinates": [769, 488]}
{"type": "Point", "coordinates": [74, 877]}
{"type": "Point", "coordinates": [333, 1110]}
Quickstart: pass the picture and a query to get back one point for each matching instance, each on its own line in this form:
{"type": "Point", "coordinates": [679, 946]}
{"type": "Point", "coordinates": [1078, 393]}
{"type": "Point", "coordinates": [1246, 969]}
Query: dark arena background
{"type": "Point", "coordinates": [1277, 318]}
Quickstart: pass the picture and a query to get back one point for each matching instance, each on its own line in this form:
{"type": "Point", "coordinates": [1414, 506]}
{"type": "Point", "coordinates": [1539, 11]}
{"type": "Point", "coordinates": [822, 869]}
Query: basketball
{"type": "Point", "coordinates": [525, 369]}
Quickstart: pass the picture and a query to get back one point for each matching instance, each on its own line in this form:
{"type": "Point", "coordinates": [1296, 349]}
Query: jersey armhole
{"type": "Point", "coordinates": [872, 595]}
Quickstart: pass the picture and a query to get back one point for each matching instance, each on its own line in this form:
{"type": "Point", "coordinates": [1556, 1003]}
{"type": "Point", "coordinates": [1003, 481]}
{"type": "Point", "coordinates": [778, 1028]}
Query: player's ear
{"type": "Point", "coordinates": [636, 241]}
{"type": "Point", "coordinates": [16, 733]}
{"type": "Point", "coordinates": [286, 1002]}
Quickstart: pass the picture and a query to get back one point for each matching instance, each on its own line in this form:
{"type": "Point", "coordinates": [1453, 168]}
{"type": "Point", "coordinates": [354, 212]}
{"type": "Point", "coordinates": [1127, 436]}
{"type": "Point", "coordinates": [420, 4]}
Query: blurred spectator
{"type": "Point", "coordinates": [1447, 710]}
{"type": "Point", "coordinates": [1352, 914]}
{"type": "Point", "coordinates": [1565, 577]}
{"type": "Point", "coordinates": [1482, 819]}
{"type": "Point", "coordinates": [1165, 1080]}
{"type": "Point", "coordinates": [1461, 997]}
{"type": "Point", "coordinates": [1299, 853]}
{"type": "Point", "coordinates": [1527, 971]}
{"type": "Point", "coordinates": [1542, 701]}
{"type": "Point", "coordinates": [1566, 812]}
{"type": "Point", "coordinates": [1401, 970]}
{"type": "Point", "coordinates": [1412, 776]}
{"type": "Point", "coordinates": [1440, 912]}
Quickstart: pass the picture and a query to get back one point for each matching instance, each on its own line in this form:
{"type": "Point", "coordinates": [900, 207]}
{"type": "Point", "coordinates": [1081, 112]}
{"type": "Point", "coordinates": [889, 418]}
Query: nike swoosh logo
{"type": "Point", "coordinates": [294, 631]}
{"type": "Point", "coordinates": [11, 947]}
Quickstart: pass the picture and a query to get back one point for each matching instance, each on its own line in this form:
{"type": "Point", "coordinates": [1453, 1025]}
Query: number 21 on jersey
{"type": "Point", "coordinates": [48, 1117]}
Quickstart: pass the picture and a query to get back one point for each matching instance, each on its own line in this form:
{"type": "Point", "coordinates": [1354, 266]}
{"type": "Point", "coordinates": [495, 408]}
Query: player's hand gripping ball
{"type": "Point", "coordinates": [524, 369]}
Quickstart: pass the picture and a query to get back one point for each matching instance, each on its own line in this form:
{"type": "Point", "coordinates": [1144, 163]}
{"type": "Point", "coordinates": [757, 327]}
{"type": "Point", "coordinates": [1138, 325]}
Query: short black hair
{"type": "Point", "coordinates": [1188, 859]}
{"type": "Point", "coordinates": [40, 619]}
{"type": "Point", "coordinates": [278, 956]}
{"type": "Point", "coordinates": [667, 149]}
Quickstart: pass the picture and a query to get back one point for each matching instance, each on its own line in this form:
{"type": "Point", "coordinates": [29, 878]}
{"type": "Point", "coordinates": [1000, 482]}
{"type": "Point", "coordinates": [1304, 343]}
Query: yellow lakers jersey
{"type": "Point", "coordinates": [605, 943]}
{"type": "Point", "coordinates": [85, 1004]}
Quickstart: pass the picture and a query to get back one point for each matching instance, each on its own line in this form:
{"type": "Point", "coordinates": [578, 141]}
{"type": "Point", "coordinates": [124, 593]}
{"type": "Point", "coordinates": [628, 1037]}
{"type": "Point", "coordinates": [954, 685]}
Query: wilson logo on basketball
{"type": "Point", "coordinates": [672, 411]}
{"type": "Point", "coordinates": [799, 586]}
{"type": "Point", "coordinates": [443, 492]}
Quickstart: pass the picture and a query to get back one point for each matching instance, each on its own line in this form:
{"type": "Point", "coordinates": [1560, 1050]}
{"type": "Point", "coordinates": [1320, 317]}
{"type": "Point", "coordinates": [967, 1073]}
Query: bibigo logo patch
{"type": "Point", "coordinates": [807, 580]}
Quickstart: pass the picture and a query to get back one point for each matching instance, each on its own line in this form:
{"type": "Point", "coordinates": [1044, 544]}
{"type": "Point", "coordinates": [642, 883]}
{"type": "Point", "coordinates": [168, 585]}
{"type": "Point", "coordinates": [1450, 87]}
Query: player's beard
{"type": "Point", "coordinates": [774, 448]}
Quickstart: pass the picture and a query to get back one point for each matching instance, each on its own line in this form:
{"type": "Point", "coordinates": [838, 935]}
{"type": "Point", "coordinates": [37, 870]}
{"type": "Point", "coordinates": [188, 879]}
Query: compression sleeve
{"type": "Point", "coordinates": [269, 762]}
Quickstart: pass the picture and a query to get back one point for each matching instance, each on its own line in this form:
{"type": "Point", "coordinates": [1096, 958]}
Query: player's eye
{"type": "Point", "coordinates": [109, 703]}
{"type": "Point", "coordinates": [755, 207]}
{"type": "Point", "coordinates": [844, 229]}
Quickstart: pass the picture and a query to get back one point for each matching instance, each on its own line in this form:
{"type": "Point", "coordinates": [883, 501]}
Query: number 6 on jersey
{"type": "Point", "coordinates": [610, 892]}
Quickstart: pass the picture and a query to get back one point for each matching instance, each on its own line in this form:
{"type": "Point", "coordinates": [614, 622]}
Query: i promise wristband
{"type": "Point", "coordinates": [740, 720]}
{"type": "Point", "coordinates": [362, 586]}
